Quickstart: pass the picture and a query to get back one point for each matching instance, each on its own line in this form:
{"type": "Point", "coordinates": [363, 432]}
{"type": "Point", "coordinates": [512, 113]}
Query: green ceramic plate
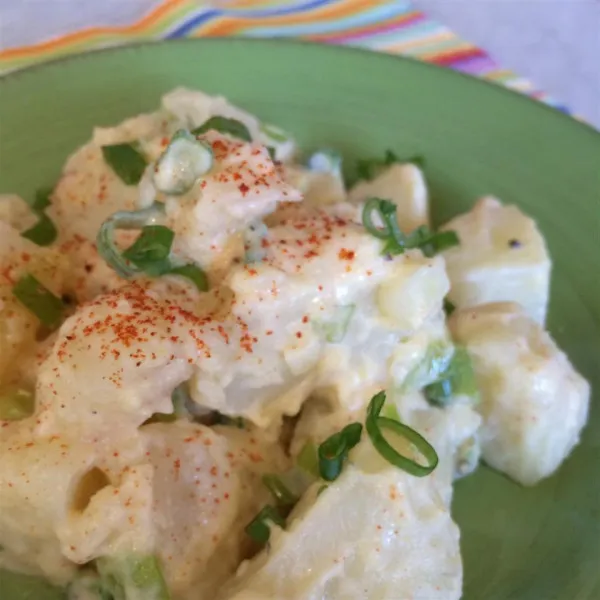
{"type": "Point", "coordinates": [541, 543]}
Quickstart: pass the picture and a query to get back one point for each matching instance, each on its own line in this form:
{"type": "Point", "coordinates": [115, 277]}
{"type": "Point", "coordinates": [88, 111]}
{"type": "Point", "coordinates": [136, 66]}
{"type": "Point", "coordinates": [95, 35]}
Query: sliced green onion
{"type": "Point", "coordinates": [326, 161]}
{"type": "Point", "coordinates": [126, 161]}
{"type": "Point", "coordinates": [132, 576]}
{"type": "Point", "coordinates": [182, 163]}
{"type": "Point", "coordinates": [150, 251]}
{"type": "Point", "coordinates": [374, 425]}
{"type": "Point", "coordinates": [368, 169]}
{"type": "Point", "coordinates": [280, 491]}
{"type": "Point", "coordinates": [428, 242]}
{"type": "Point", "coordinates": [43, 233]}
{"type": "Point", "coordinates": [16, 403]}
{"type": "Point", "coordinates": [272, 153]}
{"type": "Point", "coordinates": [124, 220]}
{"type": "Point", "coordinates": [258, 529]}
{"type": "Point", "coordinates": [307, 459]}
{"type": "Point", "coordinates": [42, 199]}
{"type": "Point", "coordinates": [231, 127]}
{"type": "Point", "coordinates": [431, 243]}
{"type": "Point", "coordinates": [390, 232]}
{"type": "Point", "coordinates": [221, 419]}
{"type": "Point", "coordinates": [334, 450]}
{"type": "Point", "coordinates": [335, 329]}
{"type": "Point", "coordinates": [40, 301]}
{"type": "Point", "coordinates": [274, 133]}
{"type": "Point", "coordinates": [391, 412]}
{"type": "Point", "coordinates": [449, 307]}
{"type": "Point", "coordinates": [458, 379]}
{"type": "Point", "coordinates": [195, 274]}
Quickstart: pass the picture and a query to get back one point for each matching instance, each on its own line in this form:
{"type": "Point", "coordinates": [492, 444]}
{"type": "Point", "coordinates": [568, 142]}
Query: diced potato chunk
{"type": "Point", "coordinates": [533, 402]}
{"type": "Point", "coordinates": [502, 257]}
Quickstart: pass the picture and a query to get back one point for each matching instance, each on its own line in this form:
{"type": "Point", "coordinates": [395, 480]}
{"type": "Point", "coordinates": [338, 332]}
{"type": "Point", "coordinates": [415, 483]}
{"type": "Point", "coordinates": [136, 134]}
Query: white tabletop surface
{"type": "Point", "coordinates": [555, 43]}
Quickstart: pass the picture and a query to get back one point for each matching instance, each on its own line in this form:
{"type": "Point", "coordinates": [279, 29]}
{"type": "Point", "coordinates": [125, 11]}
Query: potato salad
{"type": "Point", "coordinates": [230, 372]}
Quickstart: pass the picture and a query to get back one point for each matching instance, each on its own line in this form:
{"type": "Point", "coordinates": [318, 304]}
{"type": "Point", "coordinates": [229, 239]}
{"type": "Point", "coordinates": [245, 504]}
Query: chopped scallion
{"type": "Point", "coordinates": [334, 450]}
{"type": "Point", "coordinates": [16, 403]}
{"type": "Point", "coordinates": [231, 127]}
{"type": "Point", "coordinates": [449, 307]}
{"type": "Point", "coordinates": [150, 251]}
{"type": "Point", "coordinates": [182, 163]}
{"type": "Point", "coordinates": [43, 233]}
{"type": "Point", "coordinates": [274, 133]}
{"type": "Point", "coordinates": [457, 379]}
{"type": "Point", "coordinates": [428, 242]}
{"type": "Point", "coordinates": [369, 168]}
{"type": "Point", "coordinates": [42, 199]}
{"type": "Point", "coordinates": [307, 459]}
{"type": "Point", "coordinates": [195, 274]}
{"type": "Point", "coordinates": [40, 301]}
{"type": "Point", "coordinates": [221, 419]}
{"type": "Point", "coordinates": [375, 424]}
{"type": "Point", "coordinates": [258, 529]}
{"type": "Point", "coordinates": [126, 161]}
{"type": "Point", "coordinates": [124, 220]}
{"type": "Point", "coordinates": [281, 493]}
{"type": "Point", "coordinates": [336, 328]}
{"type": "Point", "coordinates": [326, 161]}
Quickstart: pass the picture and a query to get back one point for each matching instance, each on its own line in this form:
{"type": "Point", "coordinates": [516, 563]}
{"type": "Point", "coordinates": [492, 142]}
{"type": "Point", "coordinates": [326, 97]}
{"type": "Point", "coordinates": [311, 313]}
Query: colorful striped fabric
{"type": "Point", "coordinates": [385, 25]}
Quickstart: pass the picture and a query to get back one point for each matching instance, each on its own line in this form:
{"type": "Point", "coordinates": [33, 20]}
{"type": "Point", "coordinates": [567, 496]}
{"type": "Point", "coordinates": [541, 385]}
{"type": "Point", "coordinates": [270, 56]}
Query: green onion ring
{"type": "Point", "coordinates": [124, 220]}
{"type": "Point", "coordinates": [374, 425]}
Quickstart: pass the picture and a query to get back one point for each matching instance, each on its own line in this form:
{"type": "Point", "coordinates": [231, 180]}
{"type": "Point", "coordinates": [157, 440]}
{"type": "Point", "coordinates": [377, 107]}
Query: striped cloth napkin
{"type": "Point", "coordinates": [393, 26]}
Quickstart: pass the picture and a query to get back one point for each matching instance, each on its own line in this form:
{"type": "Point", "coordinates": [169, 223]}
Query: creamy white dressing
{"type": "Point", "coordinates": [306, 318]}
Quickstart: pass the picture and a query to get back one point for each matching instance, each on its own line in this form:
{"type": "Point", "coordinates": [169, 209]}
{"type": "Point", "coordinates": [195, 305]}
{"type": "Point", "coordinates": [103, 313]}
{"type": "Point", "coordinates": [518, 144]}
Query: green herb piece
{"type": "Point", "coordinates": [42, 199]}
{"type": "Point", "coordinates": [456, 380]}
{"type": "Point", "coordinates": [307, 459]}
{"type": "Point", "coordinates": [126, 161]}
{"type": "Point", "coordinates": [195, 274]}
{"type": "Point", "coordinates": [150, 251]}
{"type": "Point", "coordinates": [428, 242]}
{"type": "Point", "coordinates": [182, 163]}
{"type": "Point", "coordinates": [132, 576]}
{"type": "Point", "coordinates": [40, 301]}
{"type": "Point", "coordinates": [231, 127]}
{"type": "Point", "coordinates": [282, 494]}
{"type": "Point", "coordinates": [16, 403]}
{"type": "Point", "coordinates": [127, 220]}
{"type": "Point", "coordinates": [449, 307]}
{"type": "Point", "coordinates": [43, 233]}
{"type": "Point", "coordinates": [333, 452]}
{"type": "Point", "coordinates": [258, 529]}
{"type": "Point", "coordinates": [375, 424]}
{"type": "Point", "coordinates": [369, 168]}
{"type": "Point", "coordinates": [274, 133]}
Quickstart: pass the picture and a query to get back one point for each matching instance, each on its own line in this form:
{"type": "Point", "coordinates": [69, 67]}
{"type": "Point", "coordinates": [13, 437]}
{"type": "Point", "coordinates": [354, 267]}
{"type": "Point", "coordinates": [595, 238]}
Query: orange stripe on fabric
{"type": "Point", "coordinates": [78, 36]}
{"type": "Point", "coordinates": [366, 29]}
{"type": "Point", "coordinates": [231, 25]}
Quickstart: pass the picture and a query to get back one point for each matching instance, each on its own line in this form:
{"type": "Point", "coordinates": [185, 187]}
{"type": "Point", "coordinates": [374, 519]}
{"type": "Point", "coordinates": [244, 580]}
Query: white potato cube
{"type": "Point", "coordinates": [533, 402]}
{"type": "Point", "coordinates": [375, 532]}
{"type": "Point", "coordinates": [402, 184]}
{"type": "Point", "coordinates": [416, 292]}
{"type": "Point", "coordinates": [502, 257]}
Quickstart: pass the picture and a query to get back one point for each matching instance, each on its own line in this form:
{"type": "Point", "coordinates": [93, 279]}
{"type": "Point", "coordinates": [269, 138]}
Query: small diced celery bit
{"type": "Point", "coordinates": [133, 577]}
{"type": "Point", "coordinates": [502, 257]}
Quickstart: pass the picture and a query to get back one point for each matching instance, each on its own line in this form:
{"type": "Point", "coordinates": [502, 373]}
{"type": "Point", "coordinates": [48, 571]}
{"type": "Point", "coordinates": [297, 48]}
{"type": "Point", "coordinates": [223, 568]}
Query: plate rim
{"type": "Point", "coordinates": [16, 74]}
